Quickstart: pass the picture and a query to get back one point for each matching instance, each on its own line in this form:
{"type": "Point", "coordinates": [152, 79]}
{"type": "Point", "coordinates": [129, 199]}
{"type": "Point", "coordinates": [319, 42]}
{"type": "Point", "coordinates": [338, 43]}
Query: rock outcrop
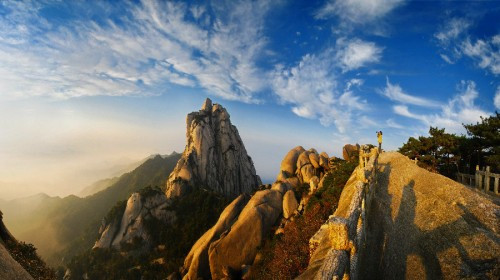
{"type": "Point", "coordinates": [230, 247]}
{"type": "Point", "coordinates": [196, 264]}
{"type": "Point", "coordinates": [234, 240]}
{"type": "Point", "coordinates": [350, 152]}
{"type": "Point", "coordinates": [290, 204]}
{"type": "Point", "coordinates": [214, 158]}
{"type": "Point", "coordinates": [130, 227]}
{"type": "Point", "coordinates": [239, 246]}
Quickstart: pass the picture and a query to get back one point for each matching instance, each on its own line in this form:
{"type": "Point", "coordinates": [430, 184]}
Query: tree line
{"type": "Point", "coordinates": [449, 153]}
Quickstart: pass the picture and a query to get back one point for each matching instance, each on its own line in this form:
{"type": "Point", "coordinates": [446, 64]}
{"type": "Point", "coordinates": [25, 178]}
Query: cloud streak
{"type": "Point", "coordinates": [459, 110]}
{"type": "Point", "coordinates": [357, 11]}
{"type": "Point", "coordinates": [136, 53]}
{"type": "Point", "coordinates": [395, 93]}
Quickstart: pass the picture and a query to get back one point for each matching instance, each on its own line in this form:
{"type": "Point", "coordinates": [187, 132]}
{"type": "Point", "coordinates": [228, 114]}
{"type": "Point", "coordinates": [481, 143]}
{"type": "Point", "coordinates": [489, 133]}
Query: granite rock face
{"type": "Point", "coordinates": [214, 158]}
{"type": "Point", "coordinates": [130, 227]}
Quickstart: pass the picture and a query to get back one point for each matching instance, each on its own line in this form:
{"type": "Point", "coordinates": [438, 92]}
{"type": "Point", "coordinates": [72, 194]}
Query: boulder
{"type": "Point", "coordinates": [239, 246]}
{"type": "Point", "coordinates": [294, 182]}
{"type": "Point", "coordinates": [350, 152]}
{"type": "Point", "coordinates": [283, 175]}
{"type": "Point", "coordinates": [323, 160]}
{"type": "Point", "coordinates": [314, 184]}
{"type": "Point", "coordinates": [307, 172]}
{"type": "Point", "coordinates": [281, 187]}
{"type": "Point", "coordinates": [196, 263]}
{"type": "Point", "coordinates": [214, 158]}
{"type": "Point", "coordinates": [314, 159]}
{"type": "Point", "coordinates": [289, 162]}
{"type": "Point", "coordinates": [290, 204]}
{"type": "Point", "coordinates": [302, 160]}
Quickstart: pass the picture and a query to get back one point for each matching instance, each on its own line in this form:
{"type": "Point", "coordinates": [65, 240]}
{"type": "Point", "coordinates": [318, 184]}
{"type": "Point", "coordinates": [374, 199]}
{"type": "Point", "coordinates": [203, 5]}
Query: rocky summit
{"type": "Point", "coordinates": [214, 158]}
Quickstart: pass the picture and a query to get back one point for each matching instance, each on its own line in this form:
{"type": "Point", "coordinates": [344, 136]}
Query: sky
{"type": "Point", "coordinates": [89, 87]}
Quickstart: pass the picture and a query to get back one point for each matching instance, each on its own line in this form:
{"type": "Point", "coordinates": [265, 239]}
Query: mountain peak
{"type": "Point", "coordinates": [214, 158]}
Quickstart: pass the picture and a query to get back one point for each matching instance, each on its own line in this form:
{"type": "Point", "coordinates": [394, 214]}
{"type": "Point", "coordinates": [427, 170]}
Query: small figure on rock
{"type": "Point", "coordinates": [379, 139]}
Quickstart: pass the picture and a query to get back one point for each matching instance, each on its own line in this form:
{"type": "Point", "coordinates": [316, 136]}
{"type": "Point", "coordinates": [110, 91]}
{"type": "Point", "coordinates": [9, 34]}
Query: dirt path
{"type": "Point", "coordinates": [424, 225]}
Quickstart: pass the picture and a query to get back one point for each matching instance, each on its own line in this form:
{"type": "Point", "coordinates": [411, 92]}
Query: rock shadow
{"type": "Point", "coordinates": [390, 243]}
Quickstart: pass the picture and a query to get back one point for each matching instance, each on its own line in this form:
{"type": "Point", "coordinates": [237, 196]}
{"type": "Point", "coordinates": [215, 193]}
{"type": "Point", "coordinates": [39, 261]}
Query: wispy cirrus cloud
{"type": "Point", "coordinates": [486, 53]}
{"type": "Point", "coordinates": [395, 93]}
{"type": "Point", "coordinates": [312, 87]}
{"type": "Point", "coordinates": [136, 52]}
{"type": "Point", "coordinates": [452, 30]}
{"type": "Point", "coordinates": [456, 42]}
{"type": "Point", "coordinates": [459, 110]}
{"type": "Point", "coordinates": [357, 11]}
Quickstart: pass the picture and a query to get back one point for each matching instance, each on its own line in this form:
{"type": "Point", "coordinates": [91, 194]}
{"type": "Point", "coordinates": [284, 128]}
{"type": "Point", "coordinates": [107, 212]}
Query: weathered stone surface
{"type": "Point", "coordinates": [302, 160]}
{"type": "Point", "coordinates": [314, 159]}
{"type": "Point", "coordinates": [294, 182]}
{"type": "Point", "coordinates": [430, 225]}
{"type": "Point", "coordinates": [350, 152]}
{"type": "Point", "coordinates": [196, 263]}
{"type": "Point", "coordinates": [281, 187]}
{"type": "Point", "coordinates": [214, 158]}
{"type": "Point", "coordinates": [290, 204]}
{"type": "Point", "coordinates": [239, 246]}
{"type": "Point", "coordinates": [307, 172]}
{"type": "Point", "coordinates": [313, 184]}
{"type": "Point", "coordinates": [9, 268]}
{"type": "Point", "coordinates": [130, 226]}
{"type": "Point", "coordinates": [323, 160]}
{"type": "Point", "coordinates": [289, 162]}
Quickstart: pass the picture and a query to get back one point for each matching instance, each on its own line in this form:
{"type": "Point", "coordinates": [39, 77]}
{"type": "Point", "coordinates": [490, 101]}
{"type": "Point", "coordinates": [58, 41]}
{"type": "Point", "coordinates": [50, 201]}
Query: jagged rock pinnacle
{"type": "Point", "coordinates": [214, 158]}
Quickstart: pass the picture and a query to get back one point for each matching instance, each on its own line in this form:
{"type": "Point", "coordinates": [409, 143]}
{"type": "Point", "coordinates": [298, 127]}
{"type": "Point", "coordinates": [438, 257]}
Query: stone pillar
{"type": "Point", "coordinates": [495, 188]}
{"type": "Point", "coordinates": [487, 179]}
{"type": "Point", "coordinates": [478, 176]}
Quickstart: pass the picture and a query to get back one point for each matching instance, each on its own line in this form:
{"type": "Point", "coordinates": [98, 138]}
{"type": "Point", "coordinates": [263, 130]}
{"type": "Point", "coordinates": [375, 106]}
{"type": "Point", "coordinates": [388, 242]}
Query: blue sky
{"type": "Point", "coordinates": [87, 87]}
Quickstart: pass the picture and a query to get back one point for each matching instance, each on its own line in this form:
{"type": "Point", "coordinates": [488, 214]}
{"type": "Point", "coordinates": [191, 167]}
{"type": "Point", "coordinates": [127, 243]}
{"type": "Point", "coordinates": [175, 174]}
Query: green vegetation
{"type": "Point", "coordinates": [25, 254]}
{"type": "Point", "coordinates": [448, 153]}
{"type": "Point", "coordinates": [286, 255]}
{"type": "Point", "coordinates": [196, 212]}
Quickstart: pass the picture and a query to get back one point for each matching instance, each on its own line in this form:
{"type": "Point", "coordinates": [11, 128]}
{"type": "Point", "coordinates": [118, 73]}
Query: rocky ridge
{"type": "Point", "coordinates": [229, 248]}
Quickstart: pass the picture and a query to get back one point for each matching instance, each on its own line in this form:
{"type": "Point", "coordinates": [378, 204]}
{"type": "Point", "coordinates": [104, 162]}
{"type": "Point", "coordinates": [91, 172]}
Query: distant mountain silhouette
{"type": "Point", "coordinates": [62, 227]}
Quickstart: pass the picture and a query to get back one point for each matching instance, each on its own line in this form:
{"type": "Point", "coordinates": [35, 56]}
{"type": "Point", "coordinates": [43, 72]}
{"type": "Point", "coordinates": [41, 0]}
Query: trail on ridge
{"type": "Point", "coordinates": [424, 225]}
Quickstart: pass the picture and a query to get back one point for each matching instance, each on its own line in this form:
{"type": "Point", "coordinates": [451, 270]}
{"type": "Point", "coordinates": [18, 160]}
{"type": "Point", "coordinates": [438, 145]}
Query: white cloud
{"type": "Point", "coordinates": [447, 59]}
{"type": "Point", "coordinates": [357, 11]}
{"type": "Point", "coordinates": [391, 123]}
{"type": "Point", "coordinates": [452, 30]}
{"type": "Point", "coordinates": [154, 43]}
{"type": "Point", "coordinates": [496, 100]}
{"type": "Point", "coordinates": [486, 53]}
{"type": "Point", "coordinates": [459, 110]}
{"type": "Point", "coordinates": [457, 43]}
{"type": "Point", "coordinates": [311, 87]}
{"type": "Point", "coordinates": [355, 53]}
{"type": "Point", "coordinates": [395, 92]}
